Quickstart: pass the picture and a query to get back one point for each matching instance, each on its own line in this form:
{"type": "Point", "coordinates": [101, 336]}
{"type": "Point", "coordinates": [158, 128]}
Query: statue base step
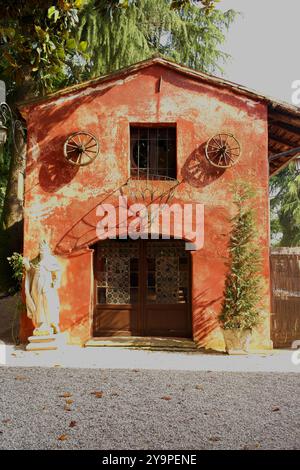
{"type": "Point", "coordinates": [46, 343]}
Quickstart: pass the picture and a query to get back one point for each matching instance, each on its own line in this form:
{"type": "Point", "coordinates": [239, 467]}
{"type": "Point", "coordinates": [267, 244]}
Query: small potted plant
{"type": "Point", "coordinates": [242, 294]}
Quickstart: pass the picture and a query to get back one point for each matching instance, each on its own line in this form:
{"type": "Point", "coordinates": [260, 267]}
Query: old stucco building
{"type": "Point", "coordinates": [154, 118]}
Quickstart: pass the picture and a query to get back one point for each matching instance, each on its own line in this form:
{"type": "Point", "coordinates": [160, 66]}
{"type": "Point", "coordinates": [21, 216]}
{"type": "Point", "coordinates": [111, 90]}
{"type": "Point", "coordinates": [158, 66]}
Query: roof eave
{"type": "Point", "coordinates": [204, 77]}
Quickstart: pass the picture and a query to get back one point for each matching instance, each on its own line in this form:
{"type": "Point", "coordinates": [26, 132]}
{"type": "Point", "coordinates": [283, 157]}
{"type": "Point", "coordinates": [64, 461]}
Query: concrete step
{"type": "Point", "coordinates": [41, 347]}
{"type": "Point", "coordinates": [143, 342]}
{"type": "Point", "coordinates": [42, 339]}
{"type": "Point", "coordinates": [46, 343]}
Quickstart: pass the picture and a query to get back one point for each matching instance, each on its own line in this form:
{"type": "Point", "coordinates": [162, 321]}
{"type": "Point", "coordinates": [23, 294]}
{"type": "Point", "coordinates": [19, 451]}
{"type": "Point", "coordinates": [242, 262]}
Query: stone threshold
{"type": "Point", "coordinates": [143, 342]}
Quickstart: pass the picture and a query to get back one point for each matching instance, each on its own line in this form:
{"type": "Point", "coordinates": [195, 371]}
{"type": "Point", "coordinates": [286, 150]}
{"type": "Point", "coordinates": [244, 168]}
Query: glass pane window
{"type": "Point", "coordinates": [117, 273]}
{"type": "Point", "coordinates": [167, 274]}
{"type": "Point", "coordinates": [153, 151]}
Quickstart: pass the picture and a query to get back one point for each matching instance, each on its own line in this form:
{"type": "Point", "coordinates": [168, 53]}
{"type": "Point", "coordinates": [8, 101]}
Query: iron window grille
{"type": "Point", "coordinates": [153, 152]}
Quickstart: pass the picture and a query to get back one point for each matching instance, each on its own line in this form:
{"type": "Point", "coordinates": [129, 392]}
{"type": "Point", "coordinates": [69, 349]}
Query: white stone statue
{"type": "Point", "coordinates": [42, 280]}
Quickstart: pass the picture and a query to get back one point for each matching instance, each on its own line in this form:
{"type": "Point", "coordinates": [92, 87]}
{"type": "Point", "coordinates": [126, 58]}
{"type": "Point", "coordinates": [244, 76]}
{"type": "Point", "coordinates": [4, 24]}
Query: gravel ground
{"type": "Point", "coordinates": [56, 408]}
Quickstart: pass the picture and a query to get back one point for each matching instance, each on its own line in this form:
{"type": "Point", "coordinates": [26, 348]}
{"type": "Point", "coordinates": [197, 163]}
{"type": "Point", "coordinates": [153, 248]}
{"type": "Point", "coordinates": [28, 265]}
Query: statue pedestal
{"type": "Point", "coordinates": [46, 343]}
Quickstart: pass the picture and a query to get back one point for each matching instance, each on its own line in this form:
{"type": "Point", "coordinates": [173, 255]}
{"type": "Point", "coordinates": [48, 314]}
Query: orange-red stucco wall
{"type": "Point", "coordinates": [60, 199]}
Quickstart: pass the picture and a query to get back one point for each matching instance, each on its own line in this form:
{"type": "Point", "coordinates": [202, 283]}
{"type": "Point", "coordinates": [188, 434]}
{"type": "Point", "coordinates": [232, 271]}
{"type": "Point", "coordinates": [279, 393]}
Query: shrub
{"type": "Point", "coordinates": [16, 263]}
{"type": "Point", "coordinates": [243, 285]}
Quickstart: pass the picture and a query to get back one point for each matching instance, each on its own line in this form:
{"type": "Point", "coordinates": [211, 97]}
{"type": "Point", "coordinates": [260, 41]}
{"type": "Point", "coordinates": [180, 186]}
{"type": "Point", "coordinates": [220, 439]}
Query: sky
{"type": "Point", "coordinates": [264, 45]}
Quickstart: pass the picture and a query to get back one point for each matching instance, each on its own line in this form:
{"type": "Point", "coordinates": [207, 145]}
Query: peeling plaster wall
{"type": "Point", "coordinates": [61, 200]}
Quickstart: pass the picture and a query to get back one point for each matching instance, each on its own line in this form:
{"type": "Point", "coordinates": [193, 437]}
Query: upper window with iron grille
{"type": "Point", "coordinates": [153, 152]}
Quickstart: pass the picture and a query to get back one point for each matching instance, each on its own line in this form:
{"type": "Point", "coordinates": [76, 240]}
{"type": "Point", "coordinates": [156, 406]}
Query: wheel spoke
{"type": "Point", "coordinates": [88, 156]}
{"type": "Point", "coordinates": [216, 142]}
{"type": "Point", "coordinates": [69, 157]}
{"type": "Point", "coordinates": [225, 159]}
{"type": "Point", "coordinates": [213, 154]}
{"type": "Point", "coordinates": [73, 146]}
{"type": "Point", "coordinates": [91, 146]}
{"type": "Point", "coordinates": [90, 140]}
{"type": "Point", "coordinates": [74, 141]}
{"type": "Point", "coordinates": [229, 156]}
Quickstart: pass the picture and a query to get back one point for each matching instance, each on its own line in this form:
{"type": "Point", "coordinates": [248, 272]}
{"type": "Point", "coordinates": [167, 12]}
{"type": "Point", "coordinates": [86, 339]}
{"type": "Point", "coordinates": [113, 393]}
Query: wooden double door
{"type": "Point", "coordinates": [142, 288]}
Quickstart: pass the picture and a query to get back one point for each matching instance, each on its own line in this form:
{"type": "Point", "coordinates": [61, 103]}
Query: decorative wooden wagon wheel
{"type": "Point", "coordinates": [223, 150]}
{"type": "Point", "coordinates": [81, 148]}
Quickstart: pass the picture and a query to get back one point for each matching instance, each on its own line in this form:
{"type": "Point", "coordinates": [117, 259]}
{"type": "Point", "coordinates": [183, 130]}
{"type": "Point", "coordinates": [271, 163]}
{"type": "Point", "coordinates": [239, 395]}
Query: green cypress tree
{"type": "Point", "coordinates": [243, 285]}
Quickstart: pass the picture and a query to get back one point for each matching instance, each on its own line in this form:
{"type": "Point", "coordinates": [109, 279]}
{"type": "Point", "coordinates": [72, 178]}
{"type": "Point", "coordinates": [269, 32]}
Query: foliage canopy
{"type": "Point", "coordinates": [189, 35]}
{"type": "Point", "coordinates": [37, 43]}
{"type": "Point", "coordinates": [285, 207]}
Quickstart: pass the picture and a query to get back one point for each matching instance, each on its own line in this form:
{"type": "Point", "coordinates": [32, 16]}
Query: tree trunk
{"type": "Point", "coordinates": [11, 223]}
{"type": "Point", "coordinates": [11, 231]}
{"type": "Point", "coordinates": [12, 215]}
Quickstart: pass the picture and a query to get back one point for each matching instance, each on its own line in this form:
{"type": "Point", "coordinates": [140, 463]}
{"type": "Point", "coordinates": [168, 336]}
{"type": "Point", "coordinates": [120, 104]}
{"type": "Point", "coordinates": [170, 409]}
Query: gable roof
{"type": "Point", "coordinates": [283, 118]}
